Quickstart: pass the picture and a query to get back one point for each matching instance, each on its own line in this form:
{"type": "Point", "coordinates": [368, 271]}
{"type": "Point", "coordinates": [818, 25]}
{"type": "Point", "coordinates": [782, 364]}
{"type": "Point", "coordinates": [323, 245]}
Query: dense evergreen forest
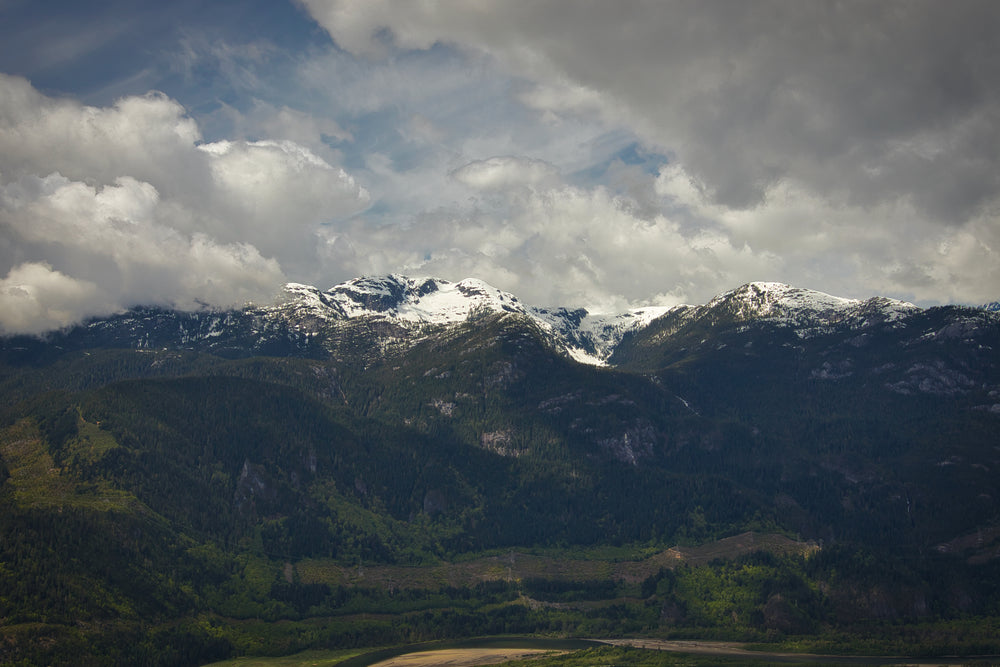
{"type": "Point", "coordinates": [177, 506]}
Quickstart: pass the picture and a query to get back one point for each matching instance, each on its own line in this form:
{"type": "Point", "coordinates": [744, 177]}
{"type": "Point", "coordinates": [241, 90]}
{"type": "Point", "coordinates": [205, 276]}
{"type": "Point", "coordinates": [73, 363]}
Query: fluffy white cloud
{"type": "Point", "coordinates": [123, 205]}
{"type": "Point", "coordinates": [116, 252]}
{"type": "Point", "coordinates": [149, 138]}
{"type": "Point", "coordinates": [273, 194]}
{"type": "Point", "coordinates": [34, 299]}
{"type": "Point", "coordinates": [893, 247]}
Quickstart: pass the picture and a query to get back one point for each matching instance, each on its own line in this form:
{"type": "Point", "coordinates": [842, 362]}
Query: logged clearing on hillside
{"type": "Point", "coordinates": [36, 480]}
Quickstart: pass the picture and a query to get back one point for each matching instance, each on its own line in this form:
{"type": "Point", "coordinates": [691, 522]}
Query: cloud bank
{"type": "Point", "coordinates": [103, 208]}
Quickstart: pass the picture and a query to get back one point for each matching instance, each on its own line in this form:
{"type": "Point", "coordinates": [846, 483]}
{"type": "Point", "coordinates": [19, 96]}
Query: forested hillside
{"type": "Point", "coordinates": [167, 498]}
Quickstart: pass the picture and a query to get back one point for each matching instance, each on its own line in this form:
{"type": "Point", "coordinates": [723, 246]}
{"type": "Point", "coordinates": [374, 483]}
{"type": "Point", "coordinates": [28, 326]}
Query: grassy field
{"type": "Point", "coordinates": [311, 658]}
{"type": "Point", "coordinates": [518, 566]}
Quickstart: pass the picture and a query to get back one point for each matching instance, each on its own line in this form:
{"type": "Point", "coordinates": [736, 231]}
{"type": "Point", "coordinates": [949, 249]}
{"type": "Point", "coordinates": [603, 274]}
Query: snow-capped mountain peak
{"type": "Point", "coordinates": [455, 302]}
{"type": "Point", "coordinates": [418, 300]}
{"type": "Point", "coordinates": [412, 304]}
{"type": "Point", "coordinates": [771, 301]}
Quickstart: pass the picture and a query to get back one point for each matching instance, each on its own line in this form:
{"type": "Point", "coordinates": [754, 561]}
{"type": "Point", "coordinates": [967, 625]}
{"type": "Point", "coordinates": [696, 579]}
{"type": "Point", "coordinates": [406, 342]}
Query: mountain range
{"type": "Point", "coordinates": [412, 421]}
{"type": "Point", "coordinates": [758, 366]}
{"type": "Point", "coordinates": [406, 308]}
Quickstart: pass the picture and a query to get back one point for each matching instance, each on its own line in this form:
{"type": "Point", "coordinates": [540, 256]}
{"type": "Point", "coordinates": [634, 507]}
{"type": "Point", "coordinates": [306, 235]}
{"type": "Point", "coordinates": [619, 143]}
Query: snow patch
{"type": "Point", "coordinates": [588, 338]}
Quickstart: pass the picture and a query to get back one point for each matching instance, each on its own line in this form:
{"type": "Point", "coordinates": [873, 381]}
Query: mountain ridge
{"type": "Point", "coordinates": [586, 337]}
{"type": "Point", "coordinates": [394, 310]}
{"type": "Point", "coordinates": [428, 301]}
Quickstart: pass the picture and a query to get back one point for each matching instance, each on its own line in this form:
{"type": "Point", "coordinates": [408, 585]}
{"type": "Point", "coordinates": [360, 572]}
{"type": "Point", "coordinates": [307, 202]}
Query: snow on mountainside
{"type": "Point", "coordinates": [412, 303]}
{"type": "Point", "coordinates": [416, 302]}
{"type": "Point", "coordinates": [370, 315]}
{"type": "Point", "coordinates": [590, 339]}
{"type": "Point", "coordinates": [810, 311]}
{"type": "Point", "coordinates": [422, 300]}
{"type": "Point", "coordinates": [409, 300]}
{"type": "Point", "coordinates": [761, 300]}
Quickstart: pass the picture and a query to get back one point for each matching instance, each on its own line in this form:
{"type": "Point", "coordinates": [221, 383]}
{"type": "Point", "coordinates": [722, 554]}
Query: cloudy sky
{"type": "Point", "coordinates": [574, 152]}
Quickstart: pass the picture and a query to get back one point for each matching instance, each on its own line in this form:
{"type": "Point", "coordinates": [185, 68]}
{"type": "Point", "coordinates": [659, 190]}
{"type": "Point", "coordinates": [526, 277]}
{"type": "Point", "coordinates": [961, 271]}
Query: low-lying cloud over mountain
{"type": "Point", "coordinates": [106, 207]}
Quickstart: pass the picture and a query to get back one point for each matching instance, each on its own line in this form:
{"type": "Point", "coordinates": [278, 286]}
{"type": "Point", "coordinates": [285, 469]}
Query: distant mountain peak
{"type": "Point", "coordinates": [765, 299]}
{"type": "Point", "coordinates": [419, 300]}
{"type": "Point", "coordinates": [803, 307]}
{"type": "Point", "coordinates": [415, 302]}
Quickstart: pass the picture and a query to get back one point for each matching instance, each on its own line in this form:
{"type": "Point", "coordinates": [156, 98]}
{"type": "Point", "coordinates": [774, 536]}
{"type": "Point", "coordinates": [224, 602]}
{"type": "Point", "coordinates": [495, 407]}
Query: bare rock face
{"type": "Point", "coordinates": [635, 443]}
{"type": "Point", "coordinates": [935, 378]}
{"type": "Point", "coordinates": [252, 487]}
